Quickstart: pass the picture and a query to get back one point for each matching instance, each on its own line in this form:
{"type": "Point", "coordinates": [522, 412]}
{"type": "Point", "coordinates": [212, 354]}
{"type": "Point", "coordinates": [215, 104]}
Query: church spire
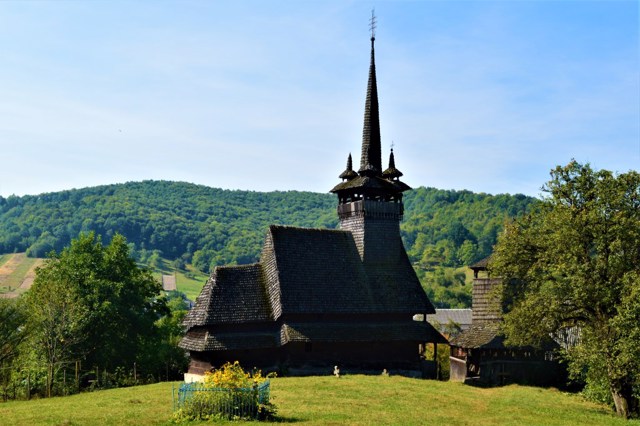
{"type": "Point", "coordinates": [371, 158]}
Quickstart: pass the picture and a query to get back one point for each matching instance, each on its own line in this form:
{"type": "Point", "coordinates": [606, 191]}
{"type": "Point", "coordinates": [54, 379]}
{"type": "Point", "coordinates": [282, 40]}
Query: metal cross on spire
{"type": "Point", "coordinates": [372, 24]}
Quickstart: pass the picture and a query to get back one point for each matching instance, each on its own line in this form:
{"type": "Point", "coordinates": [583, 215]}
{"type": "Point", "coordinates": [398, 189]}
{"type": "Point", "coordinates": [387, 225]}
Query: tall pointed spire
{"type": "Point", "coordinates": [371, 158]}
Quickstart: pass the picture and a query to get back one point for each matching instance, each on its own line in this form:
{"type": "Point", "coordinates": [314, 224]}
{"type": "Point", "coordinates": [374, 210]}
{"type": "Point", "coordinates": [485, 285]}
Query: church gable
{"type": "Point", "coordinates": [317, 271]}
{"type": "Point", "coordinates": [232, 295]}
{"type": "Point", "coordinates": [320, 271]}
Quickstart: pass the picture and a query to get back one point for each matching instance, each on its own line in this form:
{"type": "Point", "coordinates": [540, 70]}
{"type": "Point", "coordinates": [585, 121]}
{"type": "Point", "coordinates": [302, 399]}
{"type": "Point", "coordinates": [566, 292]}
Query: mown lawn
{"type": "Point", "coordinates": [354, 400]}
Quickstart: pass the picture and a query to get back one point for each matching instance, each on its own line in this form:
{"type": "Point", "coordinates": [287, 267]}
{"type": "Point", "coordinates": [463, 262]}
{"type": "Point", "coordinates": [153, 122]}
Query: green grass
{"type": "Point", "coordinates": [4, 258]}
{"type": "Point", "coordinates": [353, 400]}
{"type": "Point", "coordinates": [189, 285]}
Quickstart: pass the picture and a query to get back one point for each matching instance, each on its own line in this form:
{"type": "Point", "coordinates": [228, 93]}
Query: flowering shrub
{"type": "Point", "coordinates": [228, 393]}
{"type": "Point", "coordinates": [232, 376]}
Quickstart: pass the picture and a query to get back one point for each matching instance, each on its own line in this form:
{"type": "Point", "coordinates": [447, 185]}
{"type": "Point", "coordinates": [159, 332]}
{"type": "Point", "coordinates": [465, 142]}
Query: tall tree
{"type": "Point", "coordinates": [574, 263]}
{"type": "Point", "coordinates": [12, 329]}
{"type": "Point", "coordinates": [95, 304]}
{"type": "Point", "coordinates": [12, 333]}
{"type": "Point", "coordinates": [58, 322]}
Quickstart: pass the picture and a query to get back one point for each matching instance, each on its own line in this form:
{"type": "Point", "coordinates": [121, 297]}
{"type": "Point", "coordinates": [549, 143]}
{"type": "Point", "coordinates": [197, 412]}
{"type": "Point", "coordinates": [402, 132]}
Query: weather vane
{"type": "Point", "coordinates": [372, 24]}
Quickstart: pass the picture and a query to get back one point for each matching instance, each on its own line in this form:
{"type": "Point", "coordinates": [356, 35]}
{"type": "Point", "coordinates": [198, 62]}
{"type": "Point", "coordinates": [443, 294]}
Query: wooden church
{"type": "Point", "coordinates": [322, 297]}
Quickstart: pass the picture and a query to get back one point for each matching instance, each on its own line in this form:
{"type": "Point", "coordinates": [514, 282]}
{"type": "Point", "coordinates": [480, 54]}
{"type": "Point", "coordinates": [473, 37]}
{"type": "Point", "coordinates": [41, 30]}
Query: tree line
{"type": "Point", "coordinates": [208, 226]}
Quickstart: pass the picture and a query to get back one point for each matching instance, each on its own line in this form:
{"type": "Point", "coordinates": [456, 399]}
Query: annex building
{"type": "Point", "coordinates": [321, 297]}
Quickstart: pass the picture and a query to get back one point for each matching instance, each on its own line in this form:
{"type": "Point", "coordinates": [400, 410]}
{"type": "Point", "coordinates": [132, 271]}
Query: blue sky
{"type": "Point", "coordinates": [480, 95]}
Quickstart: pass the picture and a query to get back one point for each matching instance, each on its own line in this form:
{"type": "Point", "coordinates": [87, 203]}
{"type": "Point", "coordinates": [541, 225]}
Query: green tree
{"type": "Point", "coordinates": [162, 354]}
{"type": "Point", "coordinates": [57, 320]}
{"type": "Point", "coordinates": [92, 302]}
{"type": "Point", "coordinates": [12, 329]}
{"type": "Point", "coordinates": [12, 333]}
{"type": "Point", "coordinates": [575, 263]}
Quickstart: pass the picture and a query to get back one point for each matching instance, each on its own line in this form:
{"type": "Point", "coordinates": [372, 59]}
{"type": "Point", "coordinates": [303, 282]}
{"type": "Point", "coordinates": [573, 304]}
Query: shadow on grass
{"type": "Point", "coordinates": [280, 419]}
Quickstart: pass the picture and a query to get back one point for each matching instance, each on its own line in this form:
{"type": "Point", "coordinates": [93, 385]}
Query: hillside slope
{"type": "Point", "coordinates": [354, 400]}
{"type": "Point", "coordinates": [208, 226]}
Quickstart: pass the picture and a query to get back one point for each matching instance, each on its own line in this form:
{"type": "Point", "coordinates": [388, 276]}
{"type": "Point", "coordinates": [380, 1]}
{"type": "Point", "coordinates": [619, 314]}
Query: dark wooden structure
{"type": "Point", "coordinates": [321, 297]}
{"type": "Point", "coordinates": [479, 355]}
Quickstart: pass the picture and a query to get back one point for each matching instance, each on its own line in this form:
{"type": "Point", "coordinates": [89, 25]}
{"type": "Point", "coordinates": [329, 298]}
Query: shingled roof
{"type": "Point", "coordinates": [232, 295]}
{"type": "Point", "coordinates": [361, 332]}
{"type": "Point", "coordinates": [483, 335]}
{"type": "Point", "coordinates": [320, 271]}
{"type": "Point", "coordinates": [201, 339]}
{"type": "Point", "coordinates": [304, 271]}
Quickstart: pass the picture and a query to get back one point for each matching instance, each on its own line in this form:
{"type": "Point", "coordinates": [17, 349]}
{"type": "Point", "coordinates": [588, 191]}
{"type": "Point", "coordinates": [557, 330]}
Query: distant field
{"type": "Point", "coordinates": [352, 400]}
{"type": "Point", "coordinates": [17, 272]}
{"type": "Point", "coordinates": [189, 285]}
{"type": "Point", "coordinates": [4, 258]}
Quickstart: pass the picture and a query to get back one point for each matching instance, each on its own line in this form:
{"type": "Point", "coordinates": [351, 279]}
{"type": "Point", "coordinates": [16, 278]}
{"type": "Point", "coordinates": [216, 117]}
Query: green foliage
{"type": "Point", "coordinates": [228, 227]}
{"type": "Point", "coordinates": [447, 287]}
{"type": "Point", "coordinates": [92, 303]}
{"type": "Point", "coordinates": [174, 218]}
{"type": "Point", "coordinates": [160, 353]}
{"type": "Point", "coordinates": [574, 263]}
{"type": "Point", "coordinates": [12, 333]}
{"type": "Point", "coordinates": [187, 223]}
{"type": "Point", "coordinates": [226, 393]}
{"type": "Point", "coordinates": [455, 228]}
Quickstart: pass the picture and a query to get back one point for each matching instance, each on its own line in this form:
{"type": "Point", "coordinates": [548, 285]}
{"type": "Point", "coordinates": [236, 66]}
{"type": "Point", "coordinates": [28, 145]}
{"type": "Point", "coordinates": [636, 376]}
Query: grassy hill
{"type": "Point", "coordinates": [354, 400]}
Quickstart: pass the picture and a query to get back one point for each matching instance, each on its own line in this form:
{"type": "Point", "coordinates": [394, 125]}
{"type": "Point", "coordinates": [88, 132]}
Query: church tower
{"type": "Point", "coordinates": [370, 200]}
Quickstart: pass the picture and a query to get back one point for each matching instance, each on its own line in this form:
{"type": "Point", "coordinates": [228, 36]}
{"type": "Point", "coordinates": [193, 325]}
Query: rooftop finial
{"type": "Point", "coordinates": [372, 24]}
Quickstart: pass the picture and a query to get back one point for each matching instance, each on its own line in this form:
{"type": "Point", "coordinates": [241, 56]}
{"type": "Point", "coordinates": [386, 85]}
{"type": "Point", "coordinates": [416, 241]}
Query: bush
{"type": "Point", "coordinates": [227, 393]}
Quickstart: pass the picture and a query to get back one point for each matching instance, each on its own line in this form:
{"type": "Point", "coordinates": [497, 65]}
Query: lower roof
{"type": "Point", "coordinates": [204, 339]}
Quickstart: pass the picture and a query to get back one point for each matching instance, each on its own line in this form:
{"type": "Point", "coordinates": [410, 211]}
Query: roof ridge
{"type": "Point", "coordinates": [289, 227]}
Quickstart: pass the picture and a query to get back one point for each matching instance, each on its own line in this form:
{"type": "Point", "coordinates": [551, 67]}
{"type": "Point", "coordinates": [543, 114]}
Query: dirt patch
{"type": "Point", "coordinates": [169, 283]}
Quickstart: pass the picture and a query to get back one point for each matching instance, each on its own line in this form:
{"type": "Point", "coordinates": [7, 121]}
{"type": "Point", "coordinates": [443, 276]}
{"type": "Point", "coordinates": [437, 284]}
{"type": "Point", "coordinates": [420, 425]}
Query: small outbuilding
{"type": "Point", "coordinates": [479, 355]}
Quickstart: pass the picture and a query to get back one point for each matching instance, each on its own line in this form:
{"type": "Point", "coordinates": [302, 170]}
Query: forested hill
{"type": "Point", "coordinates": [208, 226]}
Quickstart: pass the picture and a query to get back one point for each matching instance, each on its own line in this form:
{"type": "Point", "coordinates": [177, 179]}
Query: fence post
{"type": "Point", "coordinates": [135, 373]}
{"type": "Point", "coordinates": [28, 385]}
